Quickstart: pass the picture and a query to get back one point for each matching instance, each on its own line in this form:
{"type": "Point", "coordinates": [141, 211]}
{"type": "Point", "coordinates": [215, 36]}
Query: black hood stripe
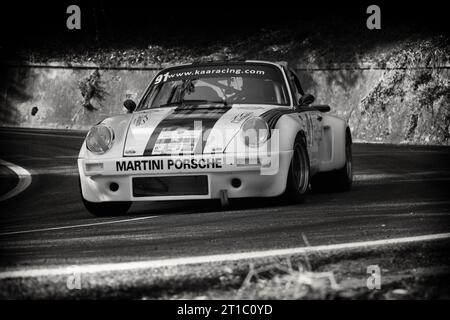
{"type": "Point", "coordinates": [184, 118]}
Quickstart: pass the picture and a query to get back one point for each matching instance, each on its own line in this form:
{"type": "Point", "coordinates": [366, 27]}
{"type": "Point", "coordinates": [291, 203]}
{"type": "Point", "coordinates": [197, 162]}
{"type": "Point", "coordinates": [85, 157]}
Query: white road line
{"type": "Point", "coordinates": [149, 264]}
{"type": "Point", "coordinates": [76, 226]}
{"type": "Point", "coordinates": [24, 179]}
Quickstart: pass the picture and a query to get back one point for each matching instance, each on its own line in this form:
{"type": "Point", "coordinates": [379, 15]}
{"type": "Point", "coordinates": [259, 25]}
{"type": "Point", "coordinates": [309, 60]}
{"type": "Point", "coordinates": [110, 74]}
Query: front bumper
{"type": "Point", "coordinates": [259, 177]}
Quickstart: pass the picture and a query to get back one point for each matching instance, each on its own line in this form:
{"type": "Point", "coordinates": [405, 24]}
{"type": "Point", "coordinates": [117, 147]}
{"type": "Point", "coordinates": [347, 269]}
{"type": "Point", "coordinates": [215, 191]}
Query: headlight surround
{"type": "Point", "coordinates": [99, 139]}
{"type": "Point", "coordinates": [254, 131]}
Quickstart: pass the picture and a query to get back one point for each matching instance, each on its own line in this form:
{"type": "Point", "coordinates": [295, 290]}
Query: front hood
{"type": "Point", "coordinates": [187, 129]}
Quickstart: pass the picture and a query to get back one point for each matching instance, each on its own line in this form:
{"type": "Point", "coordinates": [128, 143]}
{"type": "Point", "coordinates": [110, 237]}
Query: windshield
{"type": "Point", "coordinates": [229, 84]}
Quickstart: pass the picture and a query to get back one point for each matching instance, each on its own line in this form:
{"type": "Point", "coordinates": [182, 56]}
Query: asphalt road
{"type": "Point", "coordinates": [398, 191]}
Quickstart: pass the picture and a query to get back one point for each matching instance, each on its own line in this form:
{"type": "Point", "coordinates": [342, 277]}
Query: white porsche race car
{"type": "Point", "coordinates": [215, 130]}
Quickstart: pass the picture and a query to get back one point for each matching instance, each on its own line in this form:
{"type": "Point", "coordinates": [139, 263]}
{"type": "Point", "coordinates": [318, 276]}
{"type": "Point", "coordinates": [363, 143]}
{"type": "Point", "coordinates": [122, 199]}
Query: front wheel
{"type": "Point", "coordinates": [104, 209]}
{"type": "Point", "coordinates": [344, 177]}
{"type": "Point", "coordinates": [297, 184]}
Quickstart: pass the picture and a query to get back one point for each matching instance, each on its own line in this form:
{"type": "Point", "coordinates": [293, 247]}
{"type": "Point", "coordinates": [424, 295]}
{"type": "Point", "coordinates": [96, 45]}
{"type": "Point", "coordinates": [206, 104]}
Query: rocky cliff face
{"type": "Point", "coordinates": [391, 88]}
{"type": "Point", "coordinates": [406, 106]}
{"type": "Point", "coordinates": [411, 101]}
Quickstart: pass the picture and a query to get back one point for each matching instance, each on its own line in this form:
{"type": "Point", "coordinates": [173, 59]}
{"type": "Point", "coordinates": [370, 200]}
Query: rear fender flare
{"type": "Point", "coordinates": [332, 144]}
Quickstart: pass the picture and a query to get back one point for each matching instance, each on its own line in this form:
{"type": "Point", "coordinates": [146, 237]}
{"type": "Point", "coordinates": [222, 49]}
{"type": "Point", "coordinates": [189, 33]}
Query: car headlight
{"type": "Point", "coordinates": [255, 131]}
{"type": "Point", "coordinates": [100, 139]}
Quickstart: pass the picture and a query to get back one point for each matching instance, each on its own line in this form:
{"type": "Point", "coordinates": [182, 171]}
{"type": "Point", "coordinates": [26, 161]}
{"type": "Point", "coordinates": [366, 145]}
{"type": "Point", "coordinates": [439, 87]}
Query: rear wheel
{"type": "Point", "coordinates": [297, 184]}
{"type": "Point", "coordinates": [337, 180]}
{"type": "Point", "coordinates": [104, 209]}
{"type": "Point", "coordinates": [344, 176]}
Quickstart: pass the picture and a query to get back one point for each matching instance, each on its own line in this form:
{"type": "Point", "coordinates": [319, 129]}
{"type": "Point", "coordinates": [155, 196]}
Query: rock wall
{"type": "Point", "coordinates": [406, 106]}
{"type": "Point", "coordinates": [381, 105]}
{"type": "Point", "coordinates": [66, 98]}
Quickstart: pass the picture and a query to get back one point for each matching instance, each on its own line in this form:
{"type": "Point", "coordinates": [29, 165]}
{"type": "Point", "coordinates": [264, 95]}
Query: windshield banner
{"type": "Point", "coordinates": [247, 71]}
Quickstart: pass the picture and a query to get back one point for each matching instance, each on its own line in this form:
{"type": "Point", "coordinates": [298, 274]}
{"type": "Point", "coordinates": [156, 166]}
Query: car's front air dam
{"type": "Point", "coordinates": [254, 181]}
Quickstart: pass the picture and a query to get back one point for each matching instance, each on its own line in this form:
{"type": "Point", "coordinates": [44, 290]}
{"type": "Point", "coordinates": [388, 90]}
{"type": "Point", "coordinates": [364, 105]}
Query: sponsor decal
{"type": "Point", "coordinates": [240, 117]}
{"type": "Point", "coordinates": [141, 120]}
{"type": "Point", "coordinates": [169, 164]}
{"type": "Point", "coordinates": [181, 141]}
{"type": "Point", "coordinates": [139, 165]}
{"type": "Point", "coordinates": [218, 71]}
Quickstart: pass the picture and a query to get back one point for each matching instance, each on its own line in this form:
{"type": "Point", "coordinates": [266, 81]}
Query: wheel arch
{"type": "Point", "coordinates": [290, 126]}
{"type": "Point", "coordinates": [332, 144]}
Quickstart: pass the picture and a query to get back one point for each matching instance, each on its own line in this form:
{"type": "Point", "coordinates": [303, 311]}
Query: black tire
{"type": "Point", "coordinates": [337, 180]}
{"type": "Point", "coordinates": [105, 209]}
{"type": "Point", "coordinates": [297, 184]}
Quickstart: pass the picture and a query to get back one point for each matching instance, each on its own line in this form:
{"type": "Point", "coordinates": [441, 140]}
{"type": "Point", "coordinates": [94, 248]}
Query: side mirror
{"type": "Point", "coordinates": [321, 108]}
{"type": "Point", "coordinates": [130, 105]}
{"type": "Point", "coordinates": [306, 99]}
